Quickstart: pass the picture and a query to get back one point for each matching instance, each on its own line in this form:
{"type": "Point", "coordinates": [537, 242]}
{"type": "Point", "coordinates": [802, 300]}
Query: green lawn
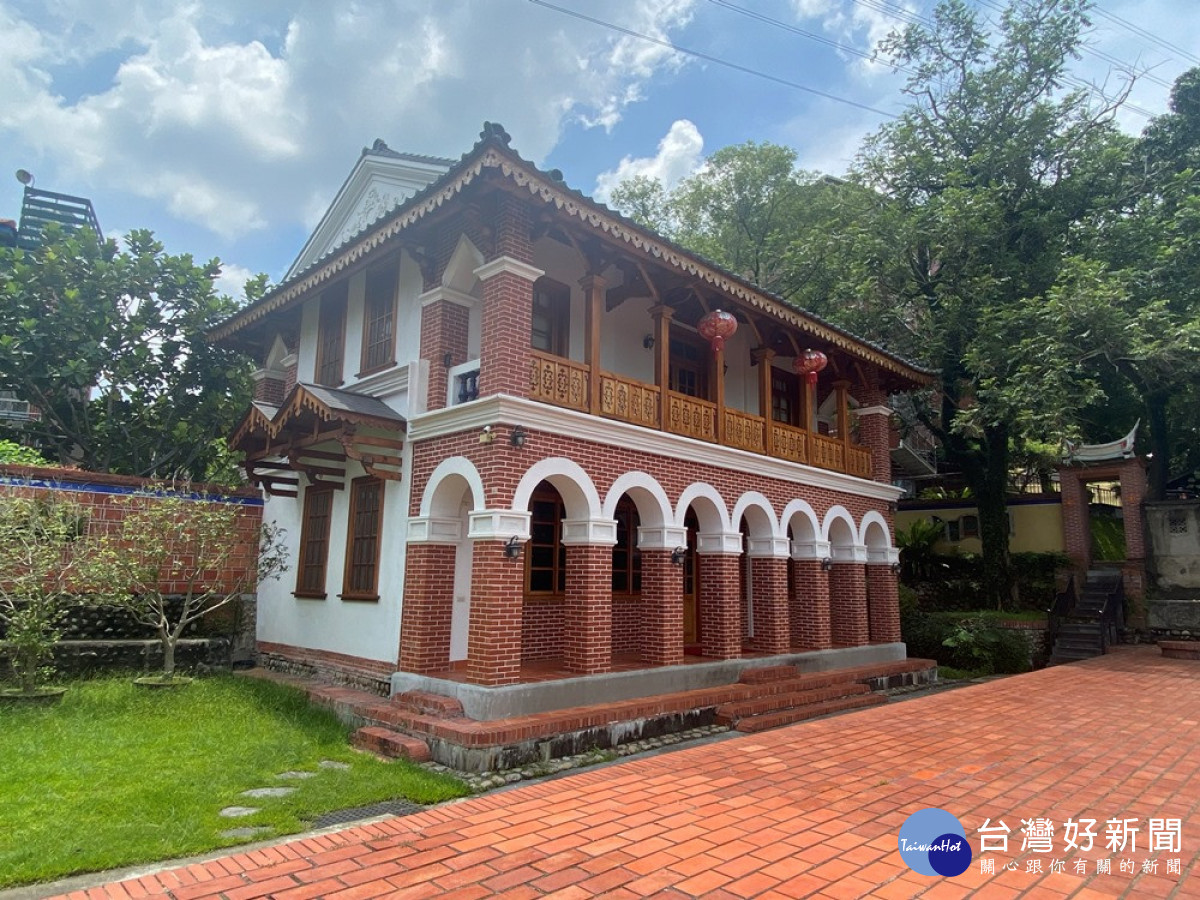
{"type": "Point", "coordinates": [117, 775]}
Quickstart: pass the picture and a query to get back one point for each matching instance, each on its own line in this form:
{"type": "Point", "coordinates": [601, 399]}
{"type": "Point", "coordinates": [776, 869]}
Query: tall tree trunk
{"type": "Point", "coordinates": [1160, 444]}
{"type": "Point", "coordinates": [987, 474]}
{"type": "Point", "coordinates": [168, 649]}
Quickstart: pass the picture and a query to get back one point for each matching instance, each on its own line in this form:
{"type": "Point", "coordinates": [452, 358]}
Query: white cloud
{"type": "Point", "coordinates": [237, 124]}
{"type": "Point", "coordinates": [232, 280]}
{"type": "Point", "coordinates": [680, 154]}
{"type": "Point", "coordinates": [856, 24]}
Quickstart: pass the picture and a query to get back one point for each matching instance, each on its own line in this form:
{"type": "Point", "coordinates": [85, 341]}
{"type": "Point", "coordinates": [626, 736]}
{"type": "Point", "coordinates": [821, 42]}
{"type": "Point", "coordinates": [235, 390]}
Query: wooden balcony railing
{"type": "Point", "coordinates": [559, 381]}
{"type": "Point", "coordinates": [745, 432]}
{"type": "Point", "coordinates": [628, 401]}
{"type": "Point", "coordinates": [691, 417]}
{"type": "Point", "coordinates": [563, 382]}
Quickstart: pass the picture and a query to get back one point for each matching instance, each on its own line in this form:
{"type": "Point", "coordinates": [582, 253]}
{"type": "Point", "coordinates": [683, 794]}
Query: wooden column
{"type": "Point", "coordinates": [842, 392]}
{"type": "Point", "coordinates": [719, 379]}
{"type": "Point", "coordinates": [763, 357]}
{"type": "Point", "coordinates": [662, 357]}
{"type": "Point", "coordinates": [593, 287]}
{"type": "Point", "coordinates": [808, 404]}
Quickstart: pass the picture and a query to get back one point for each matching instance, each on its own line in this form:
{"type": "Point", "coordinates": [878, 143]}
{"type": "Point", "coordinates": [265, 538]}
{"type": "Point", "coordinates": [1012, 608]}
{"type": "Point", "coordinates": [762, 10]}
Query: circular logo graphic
{"type": "Point", "coordinates": [933, 842]}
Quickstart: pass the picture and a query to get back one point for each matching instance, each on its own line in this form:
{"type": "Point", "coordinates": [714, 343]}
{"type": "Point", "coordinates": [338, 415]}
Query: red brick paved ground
{"type": "Point", "coordinates": [809, 810]}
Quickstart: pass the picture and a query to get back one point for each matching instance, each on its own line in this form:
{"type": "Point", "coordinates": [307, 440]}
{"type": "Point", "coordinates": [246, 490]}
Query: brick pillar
{"type": "Point", "coordinates": [428, 603]}
{"type": "Point", "coordinates": [848, 604]}
{"type": "Point", "coordinates": [497, 597]}
{"type": "Point", "coordinates": [874, 428]}
{"type": "Point", "coordinates": [508, 303]}
{"type": "Point", "coordinates": [291, 368]}
{"type": "Point", "coordinates": [720, 606]}
{"type": "Point", "coordinates": [662, 609]}
{"type": "Point", "coordinates": [883, 604]}
{"type": "Point", "coordinates": [587, 629]}
{"type": "Point", "coordinates": [811, 624]}
{"type": "Point", "coordinates": [443, 337]}
{"type": "Point", "coordinates": [268, 386]}
{"type": "Point", "coordinates": [772, 633]}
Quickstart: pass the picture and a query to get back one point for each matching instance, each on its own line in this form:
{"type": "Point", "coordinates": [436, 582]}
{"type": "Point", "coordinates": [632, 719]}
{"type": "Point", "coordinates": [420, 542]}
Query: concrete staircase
{"type": "Point", "coordinates": [1081, 634]}
{"type": "Point", "coordinates": [782, 696]}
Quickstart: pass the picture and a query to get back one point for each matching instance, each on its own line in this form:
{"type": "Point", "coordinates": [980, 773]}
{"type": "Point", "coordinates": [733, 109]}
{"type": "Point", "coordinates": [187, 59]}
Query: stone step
{"type": "Point", "coordinates": [1067, 654]}
{"type": "Point", "coordinates": [768, 673]}
{"type": "Point", "coordinates": [430, 704]}
{"type": "Point", "coordinates": [1180, 649]}
{"type": "Point", "coordinates": [392, 744]}
{"type": "Point", "coordinates": [755, 724]}
{"type": "Point", "coordinates": [731, 713]}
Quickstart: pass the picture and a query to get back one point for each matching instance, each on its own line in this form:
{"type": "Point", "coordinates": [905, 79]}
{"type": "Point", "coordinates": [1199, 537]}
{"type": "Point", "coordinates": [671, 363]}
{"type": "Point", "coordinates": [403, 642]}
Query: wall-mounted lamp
{"type": "Point", "coordinates": [826, 564]}
{"type": "Point", "coordinates": [518, 436]}
{"type": "Point", "coordinates": [648, 342]}
{"type": "Point", "coordinates": [486, 436]}
{"type": "Point", "coordinates": [895, 568]}
{"type": "Point", "coordinates": [678, 555]}
{"type": "Point", "coordinates": [447, 360]}
{"type": "Point", "coordinates": [893, 506]}
{"type": "Point", "coordinates": [512, 548]}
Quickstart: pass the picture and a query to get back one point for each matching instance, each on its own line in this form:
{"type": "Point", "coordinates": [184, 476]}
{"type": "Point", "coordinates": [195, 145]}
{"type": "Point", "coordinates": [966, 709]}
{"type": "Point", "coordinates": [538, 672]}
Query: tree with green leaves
{"type": "Point", "coordinates": [982, 180]}
{"type": "Point", "coordinates": [174, 559]}
{"type": "Point", "coordinates": [110, 345]}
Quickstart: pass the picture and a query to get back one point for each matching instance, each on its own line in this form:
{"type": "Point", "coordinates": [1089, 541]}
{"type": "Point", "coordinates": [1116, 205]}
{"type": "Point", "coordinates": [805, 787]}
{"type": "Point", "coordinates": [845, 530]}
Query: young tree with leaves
{"type": "Point", "coordinates": [111, 346]}
{"type": "Point", "coordinates": [174, 559]}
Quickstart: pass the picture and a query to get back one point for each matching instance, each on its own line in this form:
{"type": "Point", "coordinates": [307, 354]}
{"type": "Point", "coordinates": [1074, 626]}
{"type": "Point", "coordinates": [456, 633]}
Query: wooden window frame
{"type": "Point", "coordinates": [331, 315]}
{"type": "Point", "coordinates": [352, 540]}
{"type": "Point", "coordinates": [791, 384]}
{"type": "Point", "coordinates": [307, 539]}
{"type": "Point", "coordinates": [702, 367]}
{"type": "Point", "coordinates": [632, 570]}
{"type": "Point", "coordinates": [378, 307]}
{"type": "Point", "coordinates": [559, 332]}
{"type": "Point", "coordinates": [558, 567]}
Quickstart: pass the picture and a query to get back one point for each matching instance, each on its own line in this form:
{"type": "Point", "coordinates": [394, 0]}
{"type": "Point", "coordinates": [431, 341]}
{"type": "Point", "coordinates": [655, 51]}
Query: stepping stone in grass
{"type": "Point", "coordinates": [269, 792]}
{"type": "Point", "coordinates": [296, 775]}
{"type": "Point", "coordinates": [247, 832]}
{"type": "Point", "coordinates": [236, 812]}
{"type": "Point", "coordinates": [333, 764]}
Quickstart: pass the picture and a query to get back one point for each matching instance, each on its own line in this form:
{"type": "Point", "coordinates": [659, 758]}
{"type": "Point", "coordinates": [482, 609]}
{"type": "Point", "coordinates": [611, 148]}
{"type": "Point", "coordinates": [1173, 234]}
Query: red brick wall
{"type": "Point", "coordinates": [101, 495]}
{"type": "Point", "coordinates": [626, 622]}
{"type": "Point", "coordinates": [883, 604]}
{"type": "Point", "coordinates": [542, 628]}
{"type": "Point", "coordinates": [809, 601]}
{"type": "Point", "coordinates": [719, 583]}
{"type": "Point", "coordinates": [428, 606]}
{"type": "Point", "coordinates": [848, 604]}
{"type": "Point", "coordinates": [443, 331]}
{"type": "Point", "coordinates": [587, 619]}
{"type": "Point", "coordinates": [662, 606]}
{"type": "Point", "coordinates": [772, 633]}
{"type": "Point", "coordinates": [504, 355]}
{"type": "Point", "coordinates": [1131, 473]}
{"type": "Point", "coordinates": [494, 640]}
{"type": "Point", "coordinates": [269, 390]}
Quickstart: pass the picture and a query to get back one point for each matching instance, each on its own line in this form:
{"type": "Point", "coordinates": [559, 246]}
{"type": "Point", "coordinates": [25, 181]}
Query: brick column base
{"type": "Point", "coordinates": [587, 626]}
{"type": "Point", "coordinates": [497, 599]}
{"type": "Point", "coordinates": [662, 609]}
{"type": "Point", "coordinates": [809, 603]}
{"type": "Point", "coordinates": [848, 604]}
{"type": "Point", "coordinates": [772, 632]}
{"type": "Point", "coordinates": [883, 604]}
{"type": "Point", "coordinates": [720, 606]}
{"type": "Point", "coordinates": [428, 606]}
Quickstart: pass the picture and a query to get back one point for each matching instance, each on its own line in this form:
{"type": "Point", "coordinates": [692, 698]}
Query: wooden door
{"type": "Point", "coordinates": [691, 584]}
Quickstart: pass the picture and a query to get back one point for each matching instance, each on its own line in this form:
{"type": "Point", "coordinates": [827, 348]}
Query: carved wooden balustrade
{"type": "Point", "coordinates": [563, 382]}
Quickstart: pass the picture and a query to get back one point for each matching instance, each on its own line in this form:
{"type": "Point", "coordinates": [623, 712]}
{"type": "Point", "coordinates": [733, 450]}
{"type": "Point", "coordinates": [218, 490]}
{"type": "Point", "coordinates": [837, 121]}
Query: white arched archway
{"type": "Point", "coordinates": [838, 527]}
{"type": "Point", "coordinates": [443, 491]}
{"type": "Point", "coordinates": [573, 484]}
{"type": "Point", "coordinates": [706, 501]}
{"type": "Point", "coordinates": [759, 515]}
{"type": "Point", "coordinates": [874, 531]}
{"type": "Point", "coordinates": [653, 505]}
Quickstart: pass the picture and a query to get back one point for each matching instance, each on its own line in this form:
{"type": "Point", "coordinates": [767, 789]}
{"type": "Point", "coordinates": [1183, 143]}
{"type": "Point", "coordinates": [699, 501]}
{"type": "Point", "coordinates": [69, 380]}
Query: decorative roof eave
{"type": "Point", "coordinates": [303, 400]}
{"type": "Point", "coordinates": [490, 154]}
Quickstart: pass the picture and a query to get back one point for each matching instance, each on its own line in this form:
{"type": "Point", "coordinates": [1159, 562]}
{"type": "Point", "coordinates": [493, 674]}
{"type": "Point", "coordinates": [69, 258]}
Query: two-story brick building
{"type": "Point", "coordinates": [508, 450]}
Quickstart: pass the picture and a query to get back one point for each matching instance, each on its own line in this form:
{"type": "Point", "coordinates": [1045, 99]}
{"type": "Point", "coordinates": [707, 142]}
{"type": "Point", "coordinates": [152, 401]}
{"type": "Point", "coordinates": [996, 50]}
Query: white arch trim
{"type": "Point", "coordinates": [559, 468]}
{"type": "Point", "coordinates": [454, 465]}
{"type": "Point", "coordinates": [701, 491]}
{"type": "Point", "coordinates": [805, 511]}
{"type": "Point", "coordinates": [645, 485]}
{"type": "Point", "coordinates": [756, 500]}
{"type": "Point", "coordinates": [834, 514]}
{"type": "Point", "coordinates": [874, 517]}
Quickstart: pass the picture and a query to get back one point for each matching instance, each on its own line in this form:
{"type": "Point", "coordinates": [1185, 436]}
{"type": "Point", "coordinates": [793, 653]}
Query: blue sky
{"type": "Point", "coordinates": [227, 126]}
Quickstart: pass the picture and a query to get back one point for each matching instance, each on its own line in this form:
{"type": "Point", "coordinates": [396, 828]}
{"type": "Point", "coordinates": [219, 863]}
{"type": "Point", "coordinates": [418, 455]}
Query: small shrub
{"type": "Point", "coordinates": [14, 454]}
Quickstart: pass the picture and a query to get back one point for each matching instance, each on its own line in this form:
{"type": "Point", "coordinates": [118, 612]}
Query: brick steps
{"type": "Point", "coordinates": [767, 674]}
{"type": "Point", "coordinates": [771, 702]}
{"type": "Point", "coordinates": [755, 724]}
{"type": "Point", "coordinates": [391, 744]}
{"type": "Point", "coordinates": [1180, 649]}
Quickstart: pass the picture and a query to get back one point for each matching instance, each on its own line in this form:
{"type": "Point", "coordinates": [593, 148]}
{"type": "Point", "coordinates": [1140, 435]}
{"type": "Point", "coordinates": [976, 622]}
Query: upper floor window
{"type": "Point", "coordinates": [379, 320]}
{"type": "Point", "coordinates": [314, 542]}
{"type": "Point", "coordinates": [362, 543]}
{"type": "Point", "coordinates": [785, 397]}
{"type": "Point", "coordinates": [331, 336]}
{"type": "Point", "coordinates": [689, 366]}
{"type": "Point", "coordinates": [551, 316]}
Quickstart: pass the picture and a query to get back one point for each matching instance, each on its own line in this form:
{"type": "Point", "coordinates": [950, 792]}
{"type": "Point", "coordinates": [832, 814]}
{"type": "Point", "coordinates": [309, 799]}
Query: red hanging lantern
{"type": "Point", "coordinates": [809, 363]}
{"type": "Point", "coordinates": [716, 327]}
